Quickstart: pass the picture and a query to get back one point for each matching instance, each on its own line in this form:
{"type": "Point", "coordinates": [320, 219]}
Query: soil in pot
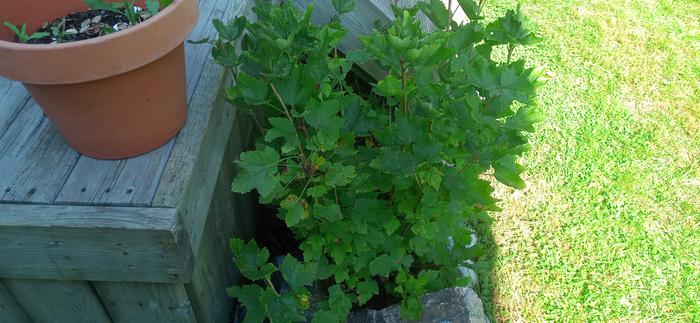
{"type": "Point", "coordinates": [85, 25]}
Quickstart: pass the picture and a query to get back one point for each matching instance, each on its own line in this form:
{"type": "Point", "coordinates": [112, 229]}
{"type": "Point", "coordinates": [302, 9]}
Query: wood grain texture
{"type": "Point", "coordinates": [126, 182]}
{"type": "Point", "coordinates": [228, 217]}
{"type": "Point", "coordinates": [13, 97]}
{"type": "Point", "coordinates": [143, 302]}
{"type": "Point", "coordinates": [93, 243]}
{"type": "Point", "coordinates": [10, 310]}
{"type": "Point", "coordinates": [51, 301]}
{"type": "Point", "coordinates": [34, 158]}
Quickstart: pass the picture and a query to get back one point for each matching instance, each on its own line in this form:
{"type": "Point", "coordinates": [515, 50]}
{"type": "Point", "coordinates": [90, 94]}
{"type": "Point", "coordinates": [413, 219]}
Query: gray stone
{"type": "Point", "coordinates": [452, 305]}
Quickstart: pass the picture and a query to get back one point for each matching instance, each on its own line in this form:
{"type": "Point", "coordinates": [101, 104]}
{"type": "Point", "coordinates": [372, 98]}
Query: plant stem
{"type": "Point", "coordinates": [234, 73]}
{"type": "Point", "coordinates": [269, 284]}
{"type": "Point", "coordinates": [481, 6]}
{"type": "Point", "coordinates": [511, 48]}
{"type": "Point", "coordinates": [289, 116]}
{"type": "Point", "coordinates": [403, 87]}
{"type": "Point", "coordinates": [420, 186]}
{"type": "Point", "coordinates": [449, 9]}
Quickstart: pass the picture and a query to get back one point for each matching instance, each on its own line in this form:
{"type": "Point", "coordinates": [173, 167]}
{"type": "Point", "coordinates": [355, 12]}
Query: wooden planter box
{"type": "Point", "coordinates": [137, 240]}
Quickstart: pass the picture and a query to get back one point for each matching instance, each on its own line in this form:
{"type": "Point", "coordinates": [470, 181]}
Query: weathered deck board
{"type": "Point", "coordinates": [13, 97]}
{"type": "Point", "coordinates": [152, 303]}
{"type": "Point", "coordinates": [126, 182]}
{"type": "Point", "coordinates": [93, 243]}
{"type": "Point", "coordinates": [10, 310]}
{"type": "Point", "coordinates": [50, 301]}
{"type": "Point", "coordinates": [34, 158]}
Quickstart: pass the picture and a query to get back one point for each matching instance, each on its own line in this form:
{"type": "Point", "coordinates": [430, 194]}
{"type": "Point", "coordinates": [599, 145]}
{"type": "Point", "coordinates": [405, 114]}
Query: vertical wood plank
{"type": "Point", "coordinates": [50, 301]}
{"type": "Point", "coordinates": [144, 302]}
{"type": "Point", "coordinates": [214, 270]}
{"type": "Point", "coordinates": [10, 310]}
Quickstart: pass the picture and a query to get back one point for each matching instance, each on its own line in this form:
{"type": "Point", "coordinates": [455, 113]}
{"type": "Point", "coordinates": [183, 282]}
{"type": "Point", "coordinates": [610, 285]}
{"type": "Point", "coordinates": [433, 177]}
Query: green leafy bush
{"type": "Point", "coordinates": [377, 185]}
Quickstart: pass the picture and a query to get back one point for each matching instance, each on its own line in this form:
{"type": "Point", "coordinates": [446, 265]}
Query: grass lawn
{"type": "Point", "coordinates": [609, 226]}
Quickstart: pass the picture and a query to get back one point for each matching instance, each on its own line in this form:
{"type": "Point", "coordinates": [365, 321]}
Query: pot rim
{"type": "Point", "coordinates": [97, 40]}
{"type": "Point", "coordinates": [104, 56]}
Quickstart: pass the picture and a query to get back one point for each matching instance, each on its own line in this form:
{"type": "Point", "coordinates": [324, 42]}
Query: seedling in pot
{"type": "Point", "coordinates": [21, 33]}
{"type": "Point", "coordinates": [127, 8]}
{"type": "Point", "coordinates": [60, 34]}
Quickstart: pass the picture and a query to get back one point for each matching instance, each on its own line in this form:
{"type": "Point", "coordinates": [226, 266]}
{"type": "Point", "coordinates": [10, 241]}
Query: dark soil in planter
{"type": "Point", "coordinates": [88, 24]}
{"type": "Point", "coordinates": [273, 233]}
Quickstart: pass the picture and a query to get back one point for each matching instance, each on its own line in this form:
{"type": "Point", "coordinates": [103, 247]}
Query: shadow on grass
{"type": "Point", "coordinates": [486, 264]}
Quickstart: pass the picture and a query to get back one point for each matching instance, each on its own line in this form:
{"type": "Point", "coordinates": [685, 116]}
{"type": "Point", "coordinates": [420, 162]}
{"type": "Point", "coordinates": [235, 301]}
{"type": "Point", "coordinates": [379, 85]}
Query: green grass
{"type": "Point", "coordinates": [609, 226]}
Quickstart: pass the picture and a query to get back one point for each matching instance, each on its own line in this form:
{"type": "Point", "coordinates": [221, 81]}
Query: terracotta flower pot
{"type": "Point", "coordinates": [111, 97]}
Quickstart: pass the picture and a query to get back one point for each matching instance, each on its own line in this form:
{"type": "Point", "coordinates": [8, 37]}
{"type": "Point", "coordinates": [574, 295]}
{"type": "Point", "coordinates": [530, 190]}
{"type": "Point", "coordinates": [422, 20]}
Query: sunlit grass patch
{"type": "Point", "coordinates": [609, 227]}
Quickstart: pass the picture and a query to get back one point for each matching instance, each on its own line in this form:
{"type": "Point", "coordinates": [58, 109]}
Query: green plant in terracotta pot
{"type": "Point", "coordinates": [77, 70]}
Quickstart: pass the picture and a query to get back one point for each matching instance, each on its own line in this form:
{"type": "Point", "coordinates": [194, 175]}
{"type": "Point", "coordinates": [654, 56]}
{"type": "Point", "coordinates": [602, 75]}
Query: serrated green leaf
{"type": "Point", "coordinates": [382, 265]}
{"type": "Point", "coordinates": [330, 212]}
{"type": "Point", "coordinates": [318, 191]}
{"type": "Point", "coordinates": [254, 91]}
{"type": "Point", "coordinates": [281, 308]}
{"type": "Point", "coordinates": [249, 296]}
{"type": "Point", "coordinates": [411, 308]}
{"type": "Point", "coordinates": [419, 246]}
{"type": "Point", "coordinates": [343, 6]}
{"type": "Point", "coordinates": [338, 301]}
{"type": "Point", "coordinates": [294, 214]}
{"type": "Point", "coordinates": [389, 86]}
{"type": "Point", "coordinates": [251, 260]}
{"type": "Point", "coordinates": [395, 161]}
{"type": "Point", "coordinates": [436, 12]}
{"type": "Point", "coordinates": [513, 28]}
{"type": "Point", "coordinates": [525, 119]}
{"type": "Point", "coordinates": [465, 36]}
{"type": "Point", "coordinates": [366, 290]}
{"type": "Point", "coordinates": [282, 128]}
{"type": "Point", "coordinates": [507, 171]}
{"type": "Point", "coordinates": [313, 248]}
{"type": "Point", "coordinates": [324, 117]}
{"type": "Point", "coordinates": [258, 171]}
{"type": "Point", "coordinates": [294, 87]}
{"type": "Point", "coordinates": [339, 175]}
{"type": "Point", "coordinates": [297, 274]}
{"type": "Point", "coordinates": [431, 177]}
{"type": "Point", "coordinates": [471, 9]}
{"type": "Point", "coordinates": [391, 225]}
